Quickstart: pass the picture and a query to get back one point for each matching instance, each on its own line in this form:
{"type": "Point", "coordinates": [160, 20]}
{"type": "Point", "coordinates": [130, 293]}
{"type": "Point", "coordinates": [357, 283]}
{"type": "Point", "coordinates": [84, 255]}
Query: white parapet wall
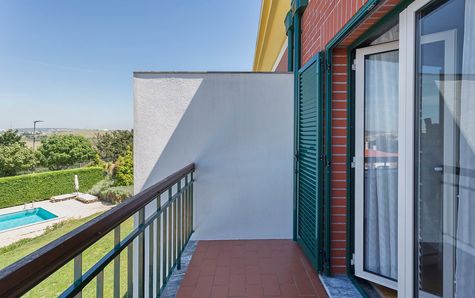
{"type": "Point", "coordinates": [238, 130]}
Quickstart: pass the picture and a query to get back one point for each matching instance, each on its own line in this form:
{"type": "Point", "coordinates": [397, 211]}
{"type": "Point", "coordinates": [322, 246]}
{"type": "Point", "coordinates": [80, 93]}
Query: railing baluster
{"type": "Point", "coordinates": [141, 255]}
{"type": "Point", "coordinates": [191, 203]}
{"type": "Point", "coordinates": [188, 210]}
{"type": "Point", "coordinates": [159, 251]}
{"type": "Point", "coordinates": [164, 244]}
{"type": "Point", "coordinates": [78, 271]}
{"type": "Point", "coordinates": [183, 218]}
{"type": "Point", "coordinates": [130, 269]}
{"type": "Point", "coordinates": [117, 264]}
{"type": "Point", "coordinates": [170, 234]}
{"type": "Point", "coordinates": [176, 212]}
{"type": "Point", "coordinates": [190, 194]}
{"type": "Point", "coordinates": [174, 234]}
{"type": "Point", "coordinates": [178, 266]}
{"type": "Point", "coordinates": [183, 215]}
{"type": "Point", "coordinates": [150, 259]}
{"type": "Point", "coordinates": [100, 285]}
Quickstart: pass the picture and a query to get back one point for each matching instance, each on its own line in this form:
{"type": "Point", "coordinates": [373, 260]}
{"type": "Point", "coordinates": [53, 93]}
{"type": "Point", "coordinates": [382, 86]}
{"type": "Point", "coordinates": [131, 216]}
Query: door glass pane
{"type": "Point", "coordinates": [388, 36]}
{"type": "Point", "coordinates": [444, 153]}
{"type": "Point", "coordinates": [380, 156]}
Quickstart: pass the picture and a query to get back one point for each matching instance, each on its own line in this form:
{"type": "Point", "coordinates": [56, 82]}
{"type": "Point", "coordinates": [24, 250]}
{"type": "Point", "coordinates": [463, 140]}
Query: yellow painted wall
{"type": "Point", "coordinates": [271, 36]}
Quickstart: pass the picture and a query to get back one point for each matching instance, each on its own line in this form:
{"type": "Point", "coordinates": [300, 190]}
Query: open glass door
{"type": "Point", "coordinates": [444, 149]}
{"type": "Point", "coordinates": [439, 148]}
{"type": "Point", "coordinates": [376, 163]}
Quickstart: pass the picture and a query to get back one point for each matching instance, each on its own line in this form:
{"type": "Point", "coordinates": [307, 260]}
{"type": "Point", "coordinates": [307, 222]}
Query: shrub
{"type": "Point", "coordinates": [124, 169]}
{"type": "Point", "coordinates": [116, 194]}
{"type": "Point", "coordinates": [101, 185]}
{"type": "Point", "coordinates": [62, 151]}
{"type": "Point", "coordinates": [10, 137]}
{"type": "Point", "coordinates": [111, 145]}
{"type": "Point", "coordinates": [22, 189]}
{"type": "Point", "coordinates": [16, 158]}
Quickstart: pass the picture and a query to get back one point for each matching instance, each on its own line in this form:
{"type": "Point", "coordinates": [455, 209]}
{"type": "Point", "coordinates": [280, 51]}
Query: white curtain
{"type": "Point", "coordinates": [381, 126]}
{"type": "Point", "coordinates": [465, 244]}
{"type": "Point", "coordinates": [381, 227]}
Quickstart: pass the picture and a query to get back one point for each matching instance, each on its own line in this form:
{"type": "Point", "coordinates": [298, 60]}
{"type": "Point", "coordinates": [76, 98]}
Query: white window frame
{"type": "Point", "coordinates": [359, 161]}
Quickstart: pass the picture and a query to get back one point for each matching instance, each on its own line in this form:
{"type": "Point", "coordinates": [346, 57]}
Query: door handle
{"type": "Point", "coordinates": [439, 169]}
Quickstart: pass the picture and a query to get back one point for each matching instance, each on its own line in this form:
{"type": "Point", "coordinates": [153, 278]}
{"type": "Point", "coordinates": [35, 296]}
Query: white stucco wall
{"type": "Point", "coordinates": [238, 129]}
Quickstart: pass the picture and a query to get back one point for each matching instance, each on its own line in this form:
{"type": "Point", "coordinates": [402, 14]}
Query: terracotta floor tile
{"type": "Point", "coordinates": [224, 259]}
{"type": "Point", "coordinates": [237, 290]}
{"type": "Point", "coordinates": [221, 276]}
{"type": "Point", "coordinates": [185, 291]}
{"type": "Point", "coordinates": [237, 268]}
{"type": "Point", "coordinates": [219, 292]}
{"type": "Point", "coordinates": [208, 267]}
{"type": "Point", "coordinates": [304, 285]}
{"type": "Point", "coordinates": [284, 277]}
{"type": "Point", "coordinates": [270, 283]}
{"type": "Point", "coordinates": [205, 280]}
{"type": "Point", "coordinates": [271, 290]}
{"type": "Point", "coordinates": [191, 277]}
{"type": "Point", "coordinates": [201, 292]}
{"type": "Point", "coordinates": [254, 291]}
{"type": "Point", "coordinates": [289, 291]}
{"type": "Point", "coordinates": [253, 278]}
{"type": "Point", "coordinates": [237, 279]}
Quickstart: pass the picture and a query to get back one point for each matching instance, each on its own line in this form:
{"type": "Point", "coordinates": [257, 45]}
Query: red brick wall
{"type": "Point", "coordinates": [321, 21]}
{"type": "Point", "coordinates": [339, 158]}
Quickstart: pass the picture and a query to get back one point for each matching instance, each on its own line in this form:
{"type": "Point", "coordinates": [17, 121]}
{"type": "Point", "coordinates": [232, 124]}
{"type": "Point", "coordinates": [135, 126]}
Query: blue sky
{"type": "Point", "coordinates": [70, 63]}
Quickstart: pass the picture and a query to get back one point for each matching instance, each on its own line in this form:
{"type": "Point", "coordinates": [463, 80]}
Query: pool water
{"type": "Point", "coordinates": [23, 218]}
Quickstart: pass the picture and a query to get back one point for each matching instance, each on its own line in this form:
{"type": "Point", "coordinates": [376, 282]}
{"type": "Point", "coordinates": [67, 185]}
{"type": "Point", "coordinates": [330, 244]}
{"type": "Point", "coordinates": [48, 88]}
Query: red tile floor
{"type": "Point", "coordinates": [249, 268]}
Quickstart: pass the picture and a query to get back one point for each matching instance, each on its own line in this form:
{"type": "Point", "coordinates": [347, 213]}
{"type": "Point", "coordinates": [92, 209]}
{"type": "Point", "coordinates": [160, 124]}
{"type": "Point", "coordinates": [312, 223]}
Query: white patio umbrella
{"type": "Point", "coordinates": [76, 183]}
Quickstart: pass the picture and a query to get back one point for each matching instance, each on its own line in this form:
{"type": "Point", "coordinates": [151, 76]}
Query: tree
{"type": "Point", "coordinates": [124, 169]}
{"type": "Point", "coordinates": [16, 158]}
{"type": "Point", "coordinates": [10, 137]}
{"type": "Point", "coordinates": [111, 145]}
{"type": "Point", "coordinates": [62, 151]}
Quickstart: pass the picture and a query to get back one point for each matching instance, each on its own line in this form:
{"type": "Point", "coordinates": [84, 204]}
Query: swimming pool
{"type": "Point", "coordinates": [22, 218]}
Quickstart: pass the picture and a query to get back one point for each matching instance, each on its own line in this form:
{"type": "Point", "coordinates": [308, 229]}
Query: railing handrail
{"type": "Point", "coordinates": [24, 274]}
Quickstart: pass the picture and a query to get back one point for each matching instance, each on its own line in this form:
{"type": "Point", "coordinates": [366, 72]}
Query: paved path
{"type": "Point", "coordinates": [70, 209]}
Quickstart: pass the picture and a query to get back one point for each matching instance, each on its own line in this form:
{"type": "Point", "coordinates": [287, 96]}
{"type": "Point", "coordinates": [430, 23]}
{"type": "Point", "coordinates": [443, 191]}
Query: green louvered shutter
{"type": "Point", "coordinates": [310, 159]}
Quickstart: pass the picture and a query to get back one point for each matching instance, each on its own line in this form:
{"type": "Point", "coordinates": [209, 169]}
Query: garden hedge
{"type": "Point", "coordinates": [18, 190]}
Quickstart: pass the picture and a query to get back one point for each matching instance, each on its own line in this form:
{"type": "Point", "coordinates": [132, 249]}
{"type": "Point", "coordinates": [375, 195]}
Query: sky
{"type": "Point", "coordinates": [70, 63]}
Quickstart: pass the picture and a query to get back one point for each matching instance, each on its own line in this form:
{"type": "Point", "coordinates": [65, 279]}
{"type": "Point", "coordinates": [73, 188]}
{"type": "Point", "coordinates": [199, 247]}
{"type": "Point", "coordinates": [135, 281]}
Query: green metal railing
{"type": "Point", "coordinates": [167, 229]}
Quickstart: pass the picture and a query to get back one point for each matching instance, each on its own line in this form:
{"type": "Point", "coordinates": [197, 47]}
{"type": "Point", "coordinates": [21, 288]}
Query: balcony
{"type": "Point", "coordinates": [213, 182]}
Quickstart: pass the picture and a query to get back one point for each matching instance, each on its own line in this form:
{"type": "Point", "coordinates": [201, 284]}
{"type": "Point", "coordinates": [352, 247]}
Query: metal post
{"type": "Point", "coordinates": [34, 132]}
{"type": "Point", "coordinates": [117, 264]}
{"type": "Point", "coordinates": [78, 272]}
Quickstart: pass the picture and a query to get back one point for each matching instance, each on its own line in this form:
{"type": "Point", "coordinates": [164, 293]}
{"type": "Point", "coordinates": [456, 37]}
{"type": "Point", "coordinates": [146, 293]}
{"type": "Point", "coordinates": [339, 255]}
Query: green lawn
{"type": "Point", "coordinates": [62, 278]}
